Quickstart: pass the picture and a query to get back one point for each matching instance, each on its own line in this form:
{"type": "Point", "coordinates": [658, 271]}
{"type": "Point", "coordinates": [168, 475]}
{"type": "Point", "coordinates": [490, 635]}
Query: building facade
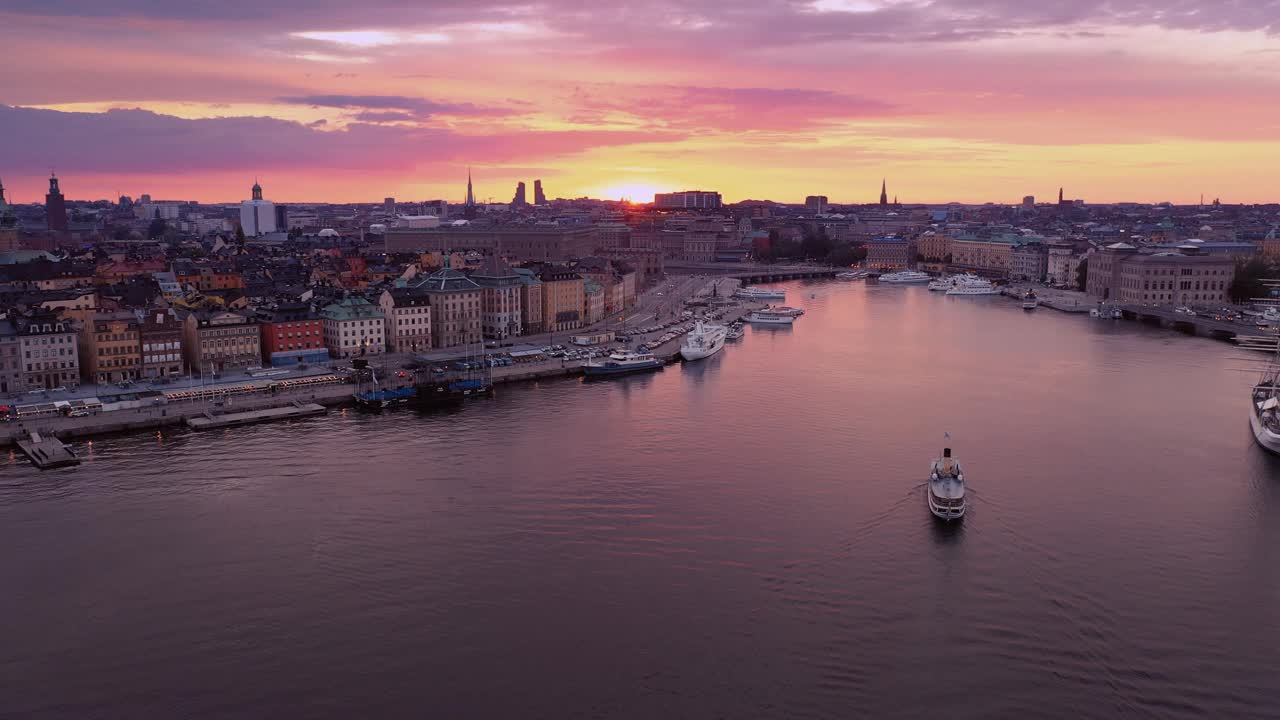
{"type": "Point", "coordinates": [10, 362]}
{"type": "Point", "coordinates": [49, 352]}
{"type": "Point", "coordinates": [1028, 261]}
{"type": "Point", "coordinates": [990, 257]}
{"type": "Point", "coordinates": [687, 200]}
{"type": "Point", "coordinates": [291, 333]}
{"type": "Point", "coordinates": [258, 216]}
{"type": "Point", "coordinates": [110, 348]}
{"type": "Point", "coordinates": [455, 307]}
{"type": "Point", "coordinates": [889, 253]}
{"type": "Point", "coordinates": [500, 314]}
{"type": "Point", "coordinates": [217, 340]}
{"type": "Point", "coordinates": [408, 313]}
{"type": "Point", "coordinates": [1120, 273]}
{"type": "Point", "coordinates": [561, 298]}
{"type": "Point", "coordinates": [353, 327]}
{"type": "Point", "coordinates": [1062, 264]}
{"type": "Point", "coordinates": [160, 337]}
{"type": "Point", "coordinates": [530, 301]}
{"type": "Point", "coordinates": [551, 243]}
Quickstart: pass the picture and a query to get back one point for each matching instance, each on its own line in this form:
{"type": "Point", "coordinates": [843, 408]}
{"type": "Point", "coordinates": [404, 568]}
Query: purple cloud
{"type": "Point", "coordinates": [421, 106]}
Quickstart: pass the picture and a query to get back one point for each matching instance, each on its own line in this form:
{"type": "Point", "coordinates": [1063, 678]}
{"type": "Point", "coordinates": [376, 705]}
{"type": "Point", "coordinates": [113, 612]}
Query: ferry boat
{"type": "Point", "coordinates": [759, 293]}
{"type": "Point", "coordinates": [382, 399]}
{"type": "Point", "coordinates": [905, 276]}
{"type": "Point", "coordinates": [445, 392]}
{"type": "Point", "coordinates": [622, 363]}
{"type": "Point", "coordinates": [784, 310]}
{"type": "Point", "coordinates": [941, 284]}
{"type": "Point", "coordinates": [1030, 301]}
{"type": "Point", "coordinates": [705, 340]}
{"type": "Point", "coordinates": [770, 317]}
{"type": "Point", "coordinates": [852, 275]}
{"type": "Point", "coordinates": [735, 332]}
{"type": "Point", "coordinates": [946, 488]}
{"type": "Point", "coordinates": [973, 286]}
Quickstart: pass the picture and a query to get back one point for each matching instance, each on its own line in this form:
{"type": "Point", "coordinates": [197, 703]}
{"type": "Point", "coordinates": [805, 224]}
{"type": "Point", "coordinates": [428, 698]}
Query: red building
{"type": "Point", "coordinates": [291, 333]}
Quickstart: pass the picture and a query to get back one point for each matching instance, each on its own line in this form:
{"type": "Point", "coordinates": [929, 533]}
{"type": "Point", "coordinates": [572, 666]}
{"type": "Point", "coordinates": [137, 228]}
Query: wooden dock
{"type": "Point", "coordinates": [47, 453]}
{"type": "Point", "coordinates": [210, 421]}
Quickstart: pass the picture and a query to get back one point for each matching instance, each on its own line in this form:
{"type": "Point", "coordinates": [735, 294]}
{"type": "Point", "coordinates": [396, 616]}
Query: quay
{"type": "Point", "coordinates": [210, 421]}
{"type": "Point", "coordinates": [1157, 316]}
{"type": "Point", "coordinates": [47, 453]}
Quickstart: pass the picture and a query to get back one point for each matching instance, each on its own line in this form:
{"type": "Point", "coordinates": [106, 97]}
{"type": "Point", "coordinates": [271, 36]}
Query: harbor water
{"type": "Point", "coordinates": [741, 537]}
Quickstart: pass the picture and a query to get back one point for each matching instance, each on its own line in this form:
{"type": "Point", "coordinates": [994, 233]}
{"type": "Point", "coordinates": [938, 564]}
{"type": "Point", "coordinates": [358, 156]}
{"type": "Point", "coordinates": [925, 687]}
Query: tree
{"type": "Point", "coordinates": [815, 243]}
{"type": "Point", "coordinates": [1082, 274]}
{"type": "Point", "coordinates": [1247, 283]}
{"type": "Point", "coordinates": [156, 228]}
{"type": "Point", "coordinates": [239, 235]}
{"type": "Point", "coordinates": [847, 255]}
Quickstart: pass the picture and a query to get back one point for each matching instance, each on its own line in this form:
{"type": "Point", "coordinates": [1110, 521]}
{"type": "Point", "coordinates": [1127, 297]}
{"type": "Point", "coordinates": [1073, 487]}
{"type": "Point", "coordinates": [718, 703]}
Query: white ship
{"type": "Point", "coordinates": [946, 488]}
{"type": "Point", "coordinates": [1030, 301]}
{"type": "Point", "coordinates": [905, 276]}
{"type": "Point", "coordinates": [852, 275]}
{"type": "Point", "coordinates": [735, 332]}
{"type": "Point", "coordinates": [705, 340]}
{"type": "Point", "coordinates": [770, 317]}
{"type": "Point", "coordinates": [942, 284]}
{"type": "Point", "coordinates": [759, 293]}
{"type": "Point", "coordinates": [784, 310]}
{"type": "Point", "coordinates": [972, 285]}
{"type": "Point", "coordinates": [1264, 411]}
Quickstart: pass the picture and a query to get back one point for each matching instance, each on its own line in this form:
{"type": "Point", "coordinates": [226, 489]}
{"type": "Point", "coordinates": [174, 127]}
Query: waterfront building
{"type": "Point", "coordinates": [687, 200]}
{"type": "Point", "coordinates": [408, 314]}
{"type": "Point", "coordinates": [561, 298]}
{"type": "Point", "coordinates": [218, 340]}
{"type": "Point", "coordinates": [593, 302]}
{"type": "Point", "coordinates": [934, 247]}
{"type": "Point", "coordinates": [353, 327]}
{"type": "Point", "coordinates": [49, 351]}
{"type": "Point", "coordinates": [110, 348]}
{"type": "Point", "coordinates": [530, 300]}
{"type": "Point", "coordinates": [1062, 264]}
{"type": "Point", "coordinates": [889, 253]}
{"type": "Point", "coordinates": [55, 207]}
{"type": "Point", "coordinates": [160, 337]}
{"type": "Point", "coordinates": [455, 306]}
{"type": "Point", "coordinates": [1120, 273]}
{"type": "Point", "coordinates": [258, 216]}
{"type": "Point", "coordinates": [1028, 261]}
{"type": "Point", "coordinates": [500, 315]}
{"type": "Point", "coordinates": [291, 333]}
{"type": "Point", "coordinates": [989, 257]}
{"type": "Point", "coordinates": [10, 358]}
{"type": "Point", "coordinates": [542, 243]}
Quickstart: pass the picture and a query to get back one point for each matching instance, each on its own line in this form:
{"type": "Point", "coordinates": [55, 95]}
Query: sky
{"type": "Point", "coordinates": [949, 100]}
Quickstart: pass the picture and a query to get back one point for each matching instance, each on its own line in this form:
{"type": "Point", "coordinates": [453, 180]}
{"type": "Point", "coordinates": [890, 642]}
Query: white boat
{"type": "Point", "coordinates": [759, 293]}
{"type": "Point", "coordinates": [1264, 408]}
{"type": "Point", "coordinates": [735, 332]}
{"type": "Point", "coordinates": [783, 309]}
{"type": "Point", "coordinates": [941, 284]}
{"type": "Point", "coordinates": [769, 317]}
{"type": "Point", "coordinates": [852, 275]}
{"type": "Point", "coordinates": [966, 286]}
{"type": "Point", "coordinates": [1030, 301]}
{"type": "Point", "coordinates": [946, 488]}
{"type": "Point", "coordinates": [705, 340]}
{"type": "Point", "coordinates": [905, 276]}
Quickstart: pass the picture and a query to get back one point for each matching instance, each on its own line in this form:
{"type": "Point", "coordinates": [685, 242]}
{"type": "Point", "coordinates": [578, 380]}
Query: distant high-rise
{"type": "Point", "coordinates": [1029, 201]}
{"type": "Point", "coordinates": [884, 193]}
{"type": "Point", "coordinates": [816, 204]}
{"type": "Point", "coordinates": [538, 197]}
{"type": "Point", "coordinates": [389, 206]}
{"type": "Point", "coordinates": [55, 206]}
{"type": "Point", "coordinates": [519, 200]}
{"type": "Point", "coordinates": [688, 200]}
{"type": "Point", "coordinates": [258, 216]}
{"type": "Point", "coordinates": [1061, 201]}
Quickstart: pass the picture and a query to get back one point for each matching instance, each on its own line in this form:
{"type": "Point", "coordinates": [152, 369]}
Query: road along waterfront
{"type": "Point", "coordinates": [741, 537]}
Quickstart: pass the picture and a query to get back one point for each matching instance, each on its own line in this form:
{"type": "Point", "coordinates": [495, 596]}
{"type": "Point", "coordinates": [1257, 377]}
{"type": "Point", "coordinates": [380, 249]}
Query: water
{"type": "Point", "coordinates": [745, 537]}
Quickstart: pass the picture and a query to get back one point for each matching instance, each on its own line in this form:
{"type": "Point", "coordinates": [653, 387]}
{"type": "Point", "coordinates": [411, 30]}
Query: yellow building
{"type": "Point", "coordinates": [110, 348]}
{"type": "Point", "coordinates": [988, 256]}
{"type": "Point", "coordinates": [562, 298]}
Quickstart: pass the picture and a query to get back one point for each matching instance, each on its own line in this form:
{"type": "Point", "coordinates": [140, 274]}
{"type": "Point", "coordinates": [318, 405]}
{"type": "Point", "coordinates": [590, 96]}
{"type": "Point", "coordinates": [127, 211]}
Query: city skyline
{"type": "Point", "coordinates": [952, 101]}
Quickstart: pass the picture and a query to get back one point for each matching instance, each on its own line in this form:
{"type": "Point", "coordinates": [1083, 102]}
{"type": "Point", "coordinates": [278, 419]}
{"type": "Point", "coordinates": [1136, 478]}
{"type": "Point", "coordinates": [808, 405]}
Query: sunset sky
{"type": "Point", "coordinates": [966, 100]}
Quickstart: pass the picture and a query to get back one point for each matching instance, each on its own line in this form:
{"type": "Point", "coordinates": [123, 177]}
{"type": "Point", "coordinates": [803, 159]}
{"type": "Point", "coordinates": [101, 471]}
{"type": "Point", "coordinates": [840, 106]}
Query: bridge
{"type": "Point", "coordinates": [753, 272]}
{"type": "Point", "coordinates": [1189, 324]}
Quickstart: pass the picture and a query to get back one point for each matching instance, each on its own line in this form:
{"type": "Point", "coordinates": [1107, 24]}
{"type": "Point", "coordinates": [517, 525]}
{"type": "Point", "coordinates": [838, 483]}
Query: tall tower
{"type": "Point", "coordinates": [55, 206]}
{"type": "Point", "coordinates": [469, 208]}
{"type": "Point", "coordinates": [8, 224]}
{"type": "Point", "coordinates": [538, 197]}
{"type": "Point", "coordinates": [884, 193]}
{"type": "Point", "coordinates": [1060, 200]}
{"type": "Point", "coordinates": [519, 200]}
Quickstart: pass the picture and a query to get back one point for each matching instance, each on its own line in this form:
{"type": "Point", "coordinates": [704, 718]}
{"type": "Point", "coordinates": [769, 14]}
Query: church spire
{"type": "Point", "coordinates": [884, 192]}
{"type": "Point", "coordinates": [471, 197]}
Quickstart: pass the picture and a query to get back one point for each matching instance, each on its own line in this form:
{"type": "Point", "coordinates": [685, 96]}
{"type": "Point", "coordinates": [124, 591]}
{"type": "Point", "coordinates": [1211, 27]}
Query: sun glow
{"type": "Point", "coordinates": [632, 192]}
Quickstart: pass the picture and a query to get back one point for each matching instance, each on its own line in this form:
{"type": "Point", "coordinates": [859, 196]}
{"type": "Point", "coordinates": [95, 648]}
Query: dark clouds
{"type": "Point", "coordinates": [422, 107]}
{"type": "Point", "coordinates": [140, 141]}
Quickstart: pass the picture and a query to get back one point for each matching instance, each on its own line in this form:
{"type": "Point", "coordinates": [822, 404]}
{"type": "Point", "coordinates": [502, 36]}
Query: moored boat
{"type": "Point", "coordinates": [735, 332]}
{"type": "Point", "coordinates": [946, 495]}
{"type": "Point", "coordinates": [905, 277]}
{"type": "Point", "coordinates": [769, 317]}
{"type": "Point", "coordinates": [622, 363]}
{"type": "Point", "coordinates": [1264, 410]}
{"type": "Point", "coordinates": [759, 293]}
{"type": "Point", "coordinates": [971, 286]}
{"type": "Point", "coordinates": [705, 340]}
